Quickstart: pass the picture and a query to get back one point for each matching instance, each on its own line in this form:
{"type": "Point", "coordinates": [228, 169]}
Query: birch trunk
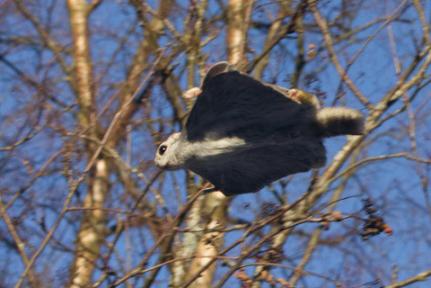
{"type": "Point", "coordinates": [91, 233]}
{"type": "Point", "coordinates": [215, 205]}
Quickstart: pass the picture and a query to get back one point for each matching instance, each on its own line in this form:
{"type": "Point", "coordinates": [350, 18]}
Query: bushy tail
{"type": "Point", "coordinates": [335, 121]}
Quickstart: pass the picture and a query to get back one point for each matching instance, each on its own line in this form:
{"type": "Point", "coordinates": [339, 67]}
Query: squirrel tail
{"type": "Point", "coordinates": [334, 121]}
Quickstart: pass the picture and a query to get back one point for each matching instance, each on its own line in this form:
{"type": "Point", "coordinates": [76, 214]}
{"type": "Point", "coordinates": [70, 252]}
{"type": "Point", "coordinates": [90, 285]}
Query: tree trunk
{"type": "Point", "coordinates": [92, 230]}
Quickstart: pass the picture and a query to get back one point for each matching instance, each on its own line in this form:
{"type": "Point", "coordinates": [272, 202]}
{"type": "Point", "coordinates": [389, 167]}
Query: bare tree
{"type": "Point", "coordinates": [90, 88]}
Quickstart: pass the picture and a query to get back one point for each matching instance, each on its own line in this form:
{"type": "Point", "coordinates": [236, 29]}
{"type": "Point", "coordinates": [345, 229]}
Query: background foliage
{"type": "Point", "coordinates": [82, 204]}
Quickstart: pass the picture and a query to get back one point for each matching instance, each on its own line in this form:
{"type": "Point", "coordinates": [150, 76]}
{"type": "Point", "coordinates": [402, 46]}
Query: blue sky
{"type": "Point", "coordinates": [395, 186]}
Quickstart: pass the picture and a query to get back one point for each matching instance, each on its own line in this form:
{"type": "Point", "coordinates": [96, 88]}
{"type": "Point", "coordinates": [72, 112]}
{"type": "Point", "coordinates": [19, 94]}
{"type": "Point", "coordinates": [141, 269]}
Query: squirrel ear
{"type": "Point", "coordinates": [218, 68]}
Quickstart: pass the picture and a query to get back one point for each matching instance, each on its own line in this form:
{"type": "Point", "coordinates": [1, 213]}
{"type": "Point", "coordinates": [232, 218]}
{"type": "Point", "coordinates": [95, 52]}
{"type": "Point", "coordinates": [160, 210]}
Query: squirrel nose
{"type": "Point", "coordinates": [157, 163]}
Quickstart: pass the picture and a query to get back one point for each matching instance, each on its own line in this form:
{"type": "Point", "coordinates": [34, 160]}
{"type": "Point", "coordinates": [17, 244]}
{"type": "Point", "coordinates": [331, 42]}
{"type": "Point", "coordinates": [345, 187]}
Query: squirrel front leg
{"type": "Point", "coordinates": [299, 96]}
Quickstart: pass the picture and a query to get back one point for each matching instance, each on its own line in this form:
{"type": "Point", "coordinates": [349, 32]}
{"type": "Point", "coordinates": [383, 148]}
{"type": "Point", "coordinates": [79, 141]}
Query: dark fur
{"type": "Point", "coordinates": [249, 169]}
{"type": "Point", "coordinates": [282, 136]}
{"type": "Point", "coordinates": [234, 104]}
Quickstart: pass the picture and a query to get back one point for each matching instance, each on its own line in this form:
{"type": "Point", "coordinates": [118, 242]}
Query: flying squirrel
{"type": "Point", "coordinates": [243, 134]}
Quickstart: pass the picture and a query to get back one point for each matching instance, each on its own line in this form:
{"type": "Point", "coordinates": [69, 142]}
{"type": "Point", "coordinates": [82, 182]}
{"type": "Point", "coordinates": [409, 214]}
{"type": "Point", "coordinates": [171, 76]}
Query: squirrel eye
{"type": "Point", "coordinates": [162, 149]}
